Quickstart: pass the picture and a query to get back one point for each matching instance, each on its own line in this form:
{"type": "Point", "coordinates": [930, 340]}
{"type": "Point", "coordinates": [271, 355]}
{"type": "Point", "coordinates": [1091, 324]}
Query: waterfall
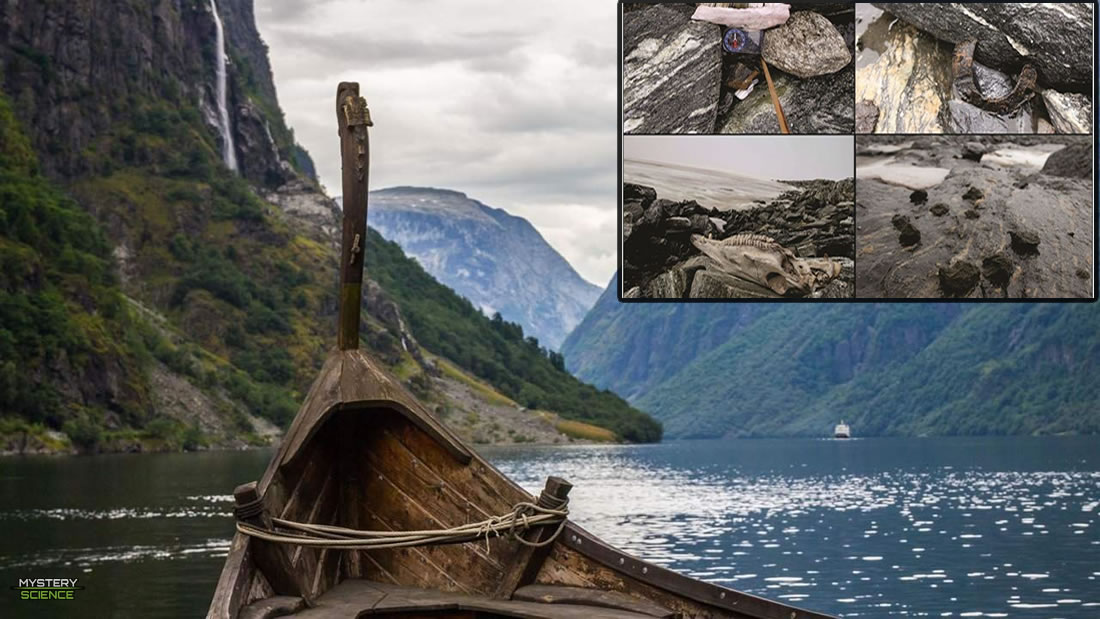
{"type": "Point", "coordinates": [229, 153]}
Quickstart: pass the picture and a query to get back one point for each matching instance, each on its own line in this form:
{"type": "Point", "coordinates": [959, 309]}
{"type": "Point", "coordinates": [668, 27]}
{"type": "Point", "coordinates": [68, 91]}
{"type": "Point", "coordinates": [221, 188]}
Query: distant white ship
{"type": "Point", "coordinates": [842, 431]}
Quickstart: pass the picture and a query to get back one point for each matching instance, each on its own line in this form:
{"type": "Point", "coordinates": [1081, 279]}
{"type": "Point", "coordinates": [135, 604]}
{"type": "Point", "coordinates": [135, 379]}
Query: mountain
{"type": "Point", "coordinates": [887, 369]}
{"type": "Point", "coordinates": [155, 296]}
{"type": "Point", "coordinates": [496, 260]}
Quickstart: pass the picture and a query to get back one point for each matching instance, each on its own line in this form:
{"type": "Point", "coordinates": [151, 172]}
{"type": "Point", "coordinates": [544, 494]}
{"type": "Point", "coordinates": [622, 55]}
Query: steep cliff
{"type": "Point", "coordinates": [778, 370]}
{"type": "Point", "coordinates": [208, 300]}
{"type": "Point", "coordinates": [498, 261]}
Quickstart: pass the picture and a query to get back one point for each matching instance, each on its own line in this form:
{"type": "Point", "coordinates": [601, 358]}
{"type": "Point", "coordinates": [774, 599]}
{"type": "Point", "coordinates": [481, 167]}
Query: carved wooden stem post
{"type": "Point", "coordinates": [528, 560]}
{"type": "Point", "coordinates": [353, 118]}
{"type": "Point", "coordinates": [272, 560]}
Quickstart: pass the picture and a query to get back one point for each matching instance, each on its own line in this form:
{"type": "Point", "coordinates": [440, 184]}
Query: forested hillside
{"type": "Point", "coordinates": [153, 298]}
{"type": "Point", "coordinates": [887, 369]}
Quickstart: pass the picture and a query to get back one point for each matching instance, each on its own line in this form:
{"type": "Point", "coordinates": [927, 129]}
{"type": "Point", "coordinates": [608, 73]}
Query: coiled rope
{"type": "Point", "coordinates": [524, 516]}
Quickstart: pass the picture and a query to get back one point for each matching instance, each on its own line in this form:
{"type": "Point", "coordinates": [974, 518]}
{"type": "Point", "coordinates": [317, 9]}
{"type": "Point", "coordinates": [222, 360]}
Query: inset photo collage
{"type": "Point", "coordinates": [856, 151]}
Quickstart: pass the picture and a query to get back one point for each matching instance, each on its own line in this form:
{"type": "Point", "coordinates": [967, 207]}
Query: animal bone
{"type": "Point", "coordinates": [763, 261]}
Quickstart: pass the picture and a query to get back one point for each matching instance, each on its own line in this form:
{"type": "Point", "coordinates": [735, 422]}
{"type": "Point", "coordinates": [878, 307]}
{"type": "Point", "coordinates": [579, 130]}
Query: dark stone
{"type": "Point", "coordinates": [1083, 274]}
{"type": "Point", "coordinates": [1072, 161]}
{"type": "Point", "coordinates": [866, 117]}
{"type": "Point", "coordinates": [837, 246]}
{"type": "Point", "coordinates": [940, 210]}
{"type": "Point", "coordinates": [1024, 243]}
{"type": "Point", "coordinates": [678, 224]}
{"type": "Point", "coordinates": [639, 193]}
{"type": "Point", "coordinates": [973, 194]}
{"type": "Point", "coordinates": [919, 196]}
{"type": "Point", "coordinates": [973, 151]}
{"type": "Point", "coordinates": [672, 71]}
{"type": "Point", "coordinates": [959, 278]}
{"type": "Point", "coordinates": [971, 214]}
{"type": "Point", "coordinates": [1057, 36]}
{"type": "Point", "coordinates": [908, 235]}
{"type": "Point", "coordinates": [998, 269]}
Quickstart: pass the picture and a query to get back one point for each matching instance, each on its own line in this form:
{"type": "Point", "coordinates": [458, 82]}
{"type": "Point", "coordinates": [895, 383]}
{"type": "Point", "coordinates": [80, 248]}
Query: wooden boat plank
{"type": "Point", "coordinates": [455, 563]}
{"type": "Point", "coordinates": [277, 606]}
{"type": "Point", "coordinates": [440, 515]}
{"type": "Point", "coordinates": [353, 598]}
{"type": "Point", "coordinates": [478, 478]}
{"type": "Point", "coordinates": [548, 594]}
{"type": "Point", "coordinates": [667, 583]}
{"type": "Point", "coordinates": [408, 565]}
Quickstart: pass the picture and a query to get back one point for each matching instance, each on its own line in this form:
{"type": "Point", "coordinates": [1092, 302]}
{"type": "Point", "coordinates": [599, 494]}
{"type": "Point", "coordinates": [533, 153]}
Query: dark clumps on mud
{"type": "Point", "coordinates": [1024, 243]}
{"type": "Point", "coordinates": [959, 278]}
{"type": "Point", "coordinates": [973, 194]}
{"type": "Point", "coordinates": [908, 235]}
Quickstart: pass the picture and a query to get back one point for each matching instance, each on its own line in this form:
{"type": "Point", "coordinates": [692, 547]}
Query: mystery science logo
{"type": "Point", "coordinates": [47, 588]}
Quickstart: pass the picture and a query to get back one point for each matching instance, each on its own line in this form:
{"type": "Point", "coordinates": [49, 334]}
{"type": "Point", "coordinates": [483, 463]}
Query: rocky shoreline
{"type": "Point", "coordinates": [678, 79]}
{"type": "Point", "coordinates": [682, 250]}
{"type": "Point", "coordinates": [969, 217]}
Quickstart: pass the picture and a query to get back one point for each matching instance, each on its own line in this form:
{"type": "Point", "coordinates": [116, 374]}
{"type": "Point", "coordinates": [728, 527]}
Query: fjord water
{"type": "Point", "coordinates": [965, 527]}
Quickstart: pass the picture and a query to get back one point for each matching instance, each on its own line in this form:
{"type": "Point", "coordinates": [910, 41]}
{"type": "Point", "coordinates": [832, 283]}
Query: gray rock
{"type": "Point", "coordinates": [1070, 113]}
{"type": "Point", "coordinates": [973, 151]}
{"type": "Point", "coordinates": [818, 105]}
{"type": "Point", "coordinates": [714, 285]}
{"type": "Point", "coordinates": [672, 284]}
{"type": "Point", "coordinates": [1072, 161]}
{"type": "Point", "coordinates": [807, 45]}
{"type": "Point", "coordinates": [672, 72]}
{"type": "Point", "coordinates": [866, 117]}
{"type": "Point", "coordinates": [1055, 37]}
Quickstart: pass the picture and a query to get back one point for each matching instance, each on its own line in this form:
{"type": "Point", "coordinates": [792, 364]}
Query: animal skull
{"type": "Point", "coordinates": [760, 260]}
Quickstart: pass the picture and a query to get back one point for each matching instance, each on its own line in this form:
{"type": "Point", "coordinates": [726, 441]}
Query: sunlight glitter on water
{"type": "Point", "coordinates": [913, 520]}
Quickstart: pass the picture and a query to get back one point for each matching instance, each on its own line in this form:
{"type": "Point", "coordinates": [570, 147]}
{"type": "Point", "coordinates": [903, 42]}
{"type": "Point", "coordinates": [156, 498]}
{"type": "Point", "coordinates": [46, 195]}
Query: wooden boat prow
{"type": "Point", "coordinates": [364, 455]}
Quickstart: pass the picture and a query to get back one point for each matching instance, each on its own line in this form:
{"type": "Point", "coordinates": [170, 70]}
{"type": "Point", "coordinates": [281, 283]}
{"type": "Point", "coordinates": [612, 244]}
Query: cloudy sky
{"type": "Point", "coordinates": [788, 157]}
{"type": "Point", "coordinates": [513, 103]}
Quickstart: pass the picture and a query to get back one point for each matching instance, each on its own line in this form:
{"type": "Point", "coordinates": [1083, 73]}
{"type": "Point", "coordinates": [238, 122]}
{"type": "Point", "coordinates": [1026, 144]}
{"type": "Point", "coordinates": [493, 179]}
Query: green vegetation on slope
{"type": "Point", "coordinates": [897, 369]}
{"type": "Point", "coordinates": [61, 311]}
{"type": "Point", "coordinates": [495, 350]}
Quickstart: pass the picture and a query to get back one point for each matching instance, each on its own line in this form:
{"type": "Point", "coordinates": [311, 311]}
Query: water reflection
{"type": "Point", "coordinates": [861, 528]}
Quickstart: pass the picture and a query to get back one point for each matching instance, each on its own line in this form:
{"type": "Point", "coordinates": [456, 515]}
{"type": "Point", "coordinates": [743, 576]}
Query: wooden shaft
{"type": "Point", "coordinates": [775, 99]}
{"type": "Point", "coordinates": [270, 559]}
{"type": "Point", "coordinates": [353, 118]}
{"type": "Point", "coordinates": [528, 560]}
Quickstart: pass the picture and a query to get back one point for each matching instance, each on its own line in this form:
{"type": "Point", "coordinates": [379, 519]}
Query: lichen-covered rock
{"type": "Point", "coordinates": [1055, 37]}
{"type": "Point", "coordinates": [909, 84]}
{"type": "Point", "coordinates": [818, 105]}
{"type": "Point", "coordinates": [1070, 113]}
{"type": "Point", "coordinates": [672, 72]}
{"type": "Point", "coordinates": [807, 45]}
